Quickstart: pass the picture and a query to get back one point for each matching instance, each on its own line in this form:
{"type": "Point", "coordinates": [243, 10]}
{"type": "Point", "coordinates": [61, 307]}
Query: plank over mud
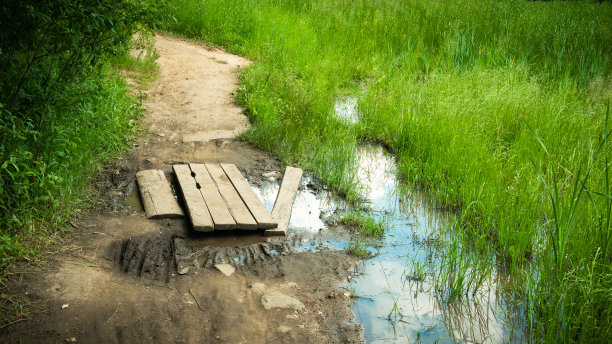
{"type": "Point", "coordinates": [196, 206]}
{"type": "Point", "coordinates": [284, 201]}
{"type": "Point", "coordinates": [250, 199]}
{"type": "Point", "coordinates": [157, 197]}
{"type": "Point", "coordinates": [221, 216]}
{"type": "Point", "coordinates": [239, 211]}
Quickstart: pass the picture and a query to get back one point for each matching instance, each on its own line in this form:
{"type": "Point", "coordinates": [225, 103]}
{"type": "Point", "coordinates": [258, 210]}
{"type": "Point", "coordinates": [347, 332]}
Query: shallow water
{"type": "Point", "coordinates": [309, 208]}
{"type": "Point", "coordinates": [394, 302]}
{"type": "Point", "coordinates": [133, 201]}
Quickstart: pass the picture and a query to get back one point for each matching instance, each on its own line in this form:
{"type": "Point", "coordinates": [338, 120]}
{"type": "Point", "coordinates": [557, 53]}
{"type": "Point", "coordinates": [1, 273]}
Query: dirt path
{"type": "Point", "coordinates": [115, 281]}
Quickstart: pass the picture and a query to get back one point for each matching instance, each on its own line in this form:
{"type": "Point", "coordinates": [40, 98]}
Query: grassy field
{"type": "Point", "coordinates": [496, 108]}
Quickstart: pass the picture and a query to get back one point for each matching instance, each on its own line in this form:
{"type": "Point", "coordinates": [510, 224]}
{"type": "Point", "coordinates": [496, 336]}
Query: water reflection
{"type": "Point", "coordinates": [308, 206]}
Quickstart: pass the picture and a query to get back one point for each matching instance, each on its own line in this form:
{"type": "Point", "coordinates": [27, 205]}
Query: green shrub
{"type": "Point", "coordinates": [62, 111]}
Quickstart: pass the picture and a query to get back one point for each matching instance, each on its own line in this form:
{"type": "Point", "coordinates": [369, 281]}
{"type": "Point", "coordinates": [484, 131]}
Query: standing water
{"type": "Point", "coordinates": [395, 298]}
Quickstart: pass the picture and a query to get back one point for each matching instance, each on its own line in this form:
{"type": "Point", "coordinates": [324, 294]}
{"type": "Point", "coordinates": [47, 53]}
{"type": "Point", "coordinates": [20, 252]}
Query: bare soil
{"type": "Point", "coordinates": [115, 279]}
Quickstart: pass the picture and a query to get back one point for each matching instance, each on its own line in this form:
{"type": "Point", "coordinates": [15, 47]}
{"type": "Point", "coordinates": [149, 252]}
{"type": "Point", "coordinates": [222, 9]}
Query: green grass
{"type": "Point", "coordinates": [462, 92]}
{"type": "Point", "coordinates": [365, 224]}
{"type": "Point", "coordinates": [141, 65]}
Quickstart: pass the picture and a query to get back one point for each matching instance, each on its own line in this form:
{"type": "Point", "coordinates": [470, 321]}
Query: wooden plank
{"type": "Point", "coordinates": [157, 196]}
{"type": "Point", "coordinates": [196, 206]}
{"type": "Point", "coordinates": [250, 199]}
{"type": "Point", "coordinates": [239, 211]}
{"type": "Point", "coordinates": [216, 205]}
{"type": "Point", "coordinates": [284, 200]}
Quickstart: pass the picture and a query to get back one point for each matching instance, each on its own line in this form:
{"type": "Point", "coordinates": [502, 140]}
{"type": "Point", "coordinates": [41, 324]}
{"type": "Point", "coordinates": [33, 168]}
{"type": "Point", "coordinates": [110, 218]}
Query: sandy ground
{"type": "Point", "coordinates": [115, 281]}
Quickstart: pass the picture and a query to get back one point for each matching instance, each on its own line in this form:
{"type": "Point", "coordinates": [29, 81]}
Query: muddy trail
{"type": "Point", "coordinates": [121, 278]}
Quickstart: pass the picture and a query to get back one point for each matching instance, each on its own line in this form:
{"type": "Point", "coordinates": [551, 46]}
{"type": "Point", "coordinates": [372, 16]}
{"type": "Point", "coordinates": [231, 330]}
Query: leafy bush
{"type": "Point", "coordinates": [61, 112]}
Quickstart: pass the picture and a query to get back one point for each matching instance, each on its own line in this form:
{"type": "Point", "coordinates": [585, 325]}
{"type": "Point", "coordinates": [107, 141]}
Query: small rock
{"type": "Point", "coordinates": [258, 288]}
{"type": "Point", "coordinates": [271, 179]}
{"type": "Point", "coordinates": [275, 299]}
{"type": "Point", "coordinates": [65, 305]}
{"type": "Point", "coordinates": [183, 271]}
{"type": "Point", "coordinates": [161, 134]}
{"type": "Point", "coordinates": [273, 174]}
{"type": "Point", "coordinates": [226, 269]}
{"type": "Point", "coordinates": [152, 160]}
{"type": "Point", "coordinates": [284, 329]}
{"type": "Point", "coordinates": [347, 294]}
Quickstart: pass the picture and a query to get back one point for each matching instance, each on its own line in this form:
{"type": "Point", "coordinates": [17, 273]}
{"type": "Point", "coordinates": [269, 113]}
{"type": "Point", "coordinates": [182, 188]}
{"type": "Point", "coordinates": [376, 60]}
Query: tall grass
{"type": "Point", "coordinates": [463, 93]}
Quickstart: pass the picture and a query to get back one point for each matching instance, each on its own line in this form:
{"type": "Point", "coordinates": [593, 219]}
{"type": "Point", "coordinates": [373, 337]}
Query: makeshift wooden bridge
{"type": "Point", "coordinates": [217, 197]}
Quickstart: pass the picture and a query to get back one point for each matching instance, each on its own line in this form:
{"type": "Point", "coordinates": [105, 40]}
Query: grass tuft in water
{"type": "Point", "coordinates": [366, 224]}
{"type": "Point", "coordinates": [358, 248]}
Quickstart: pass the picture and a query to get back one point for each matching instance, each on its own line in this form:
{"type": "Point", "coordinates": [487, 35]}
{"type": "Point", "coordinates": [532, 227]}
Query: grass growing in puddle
{"type": "Point", "coordinates": [366, 224]}
{"type": "Point", "coordinates": [358, 248]}
{"type": "Point", "coordinates": [456, 90]}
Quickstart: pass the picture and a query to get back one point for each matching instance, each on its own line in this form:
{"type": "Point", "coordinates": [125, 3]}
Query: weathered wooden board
{"type": "Point", "coordinates": [196, 206]}
{"type": "Point", "coordinates": [284, 201]}
{"type": "Point", "coordinates": [239, 211]}
{"type": "Point", "coordinates": [156, 194]}
{"type": "Point", "coordinates": [250, 199]}
{"type": "Point", "coordinates": [221, 216]}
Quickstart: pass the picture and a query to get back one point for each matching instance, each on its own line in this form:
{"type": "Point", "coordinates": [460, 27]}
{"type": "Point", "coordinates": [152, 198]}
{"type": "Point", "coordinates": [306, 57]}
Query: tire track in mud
{"type": "Point", "coordinates": [157, 258]}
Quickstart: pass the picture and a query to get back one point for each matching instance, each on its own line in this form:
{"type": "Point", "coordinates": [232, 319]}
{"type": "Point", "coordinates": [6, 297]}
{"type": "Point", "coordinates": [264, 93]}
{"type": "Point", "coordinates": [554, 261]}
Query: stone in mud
{"type": "Point", "coordinates": [272, 174]}
{"type": "Point", "coordinates": [258, 288]}
{"type": "Point", "coordinates": [225, 269]}
{"type": "Point", "coordinates": [276, 299]}
{"type": "Point", "coordinates": [284, 329]}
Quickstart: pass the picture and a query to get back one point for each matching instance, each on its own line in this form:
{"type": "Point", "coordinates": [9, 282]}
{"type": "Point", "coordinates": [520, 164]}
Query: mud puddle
{"type": "Point", "coordinates": [152, 256]}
